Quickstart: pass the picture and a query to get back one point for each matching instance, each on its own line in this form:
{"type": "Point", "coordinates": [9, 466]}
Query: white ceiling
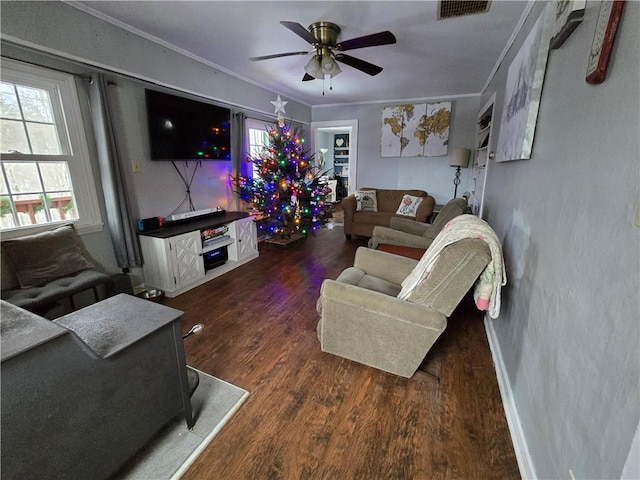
{"type": "Point", "coordinates": [432, 58]}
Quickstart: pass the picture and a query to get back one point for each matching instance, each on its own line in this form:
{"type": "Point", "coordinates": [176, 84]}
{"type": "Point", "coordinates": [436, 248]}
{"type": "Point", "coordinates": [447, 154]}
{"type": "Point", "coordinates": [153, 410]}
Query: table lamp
{"type": "Point", "coordinates": [459, 159]}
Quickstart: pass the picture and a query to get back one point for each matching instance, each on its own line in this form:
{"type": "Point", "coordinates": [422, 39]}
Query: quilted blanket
{"type": "Point", "coordinates": [487, 288]}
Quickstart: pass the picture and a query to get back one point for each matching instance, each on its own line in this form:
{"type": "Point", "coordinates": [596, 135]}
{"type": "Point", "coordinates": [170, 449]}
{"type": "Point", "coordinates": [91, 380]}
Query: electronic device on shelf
{"type": "Point", "coordinates": [151, 223]}
{"type": "Point", "coordinates": [214, 236]}
{"type": "Point", "coordinates": [194, 215]}
{"type": "Point", "coordinates": [215, 258]}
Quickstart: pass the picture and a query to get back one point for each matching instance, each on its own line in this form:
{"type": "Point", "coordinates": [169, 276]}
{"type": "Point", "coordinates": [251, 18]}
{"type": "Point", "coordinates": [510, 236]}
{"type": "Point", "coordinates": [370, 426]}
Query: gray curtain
{"type": "Point", "coordinates": [239, 156]}
{"type": "Point", "coordinates": [121, 225]}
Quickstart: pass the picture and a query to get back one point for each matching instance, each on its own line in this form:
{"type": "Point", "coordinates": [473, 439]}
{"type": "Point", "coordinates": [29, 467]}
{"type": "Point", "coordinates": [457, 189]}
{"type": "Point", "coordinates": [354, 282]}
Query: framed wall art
{"type": "Point", "coordinates": [523, 92]}
{"type": "Point", "coordinates": [603, 37]}
{"type": "Point", "coordinates": [418, 130]}
{"type": "Point", "coordinates": [569, 14]}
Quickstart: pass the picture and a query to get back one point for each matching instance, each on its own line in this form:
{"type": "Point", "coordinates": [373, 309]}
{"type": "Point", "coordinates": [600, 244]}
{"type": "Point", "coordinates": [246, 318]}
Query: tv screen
{"type": "Point", "coordinates": [184, 129]}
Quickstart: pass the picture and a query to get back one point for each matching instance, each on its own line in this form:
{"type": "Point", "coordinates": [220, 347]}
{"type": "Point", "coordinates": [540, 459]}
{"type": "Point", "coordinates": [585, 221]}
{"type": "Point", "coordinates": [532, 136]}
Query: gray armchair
{"type": "Point", "coordinates": [363, 320]}
{"type": "Point", "coordinates": [410, 233]}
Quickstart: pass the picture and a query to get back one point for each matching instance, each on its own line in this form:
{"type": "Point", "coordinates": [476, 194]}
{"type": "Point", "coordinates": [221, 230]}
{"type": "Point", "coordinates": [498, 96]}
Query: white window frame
{"type": "Point", "coordinates": [73, 142]}
{"type": "Point", "coordinates": [253, 124]}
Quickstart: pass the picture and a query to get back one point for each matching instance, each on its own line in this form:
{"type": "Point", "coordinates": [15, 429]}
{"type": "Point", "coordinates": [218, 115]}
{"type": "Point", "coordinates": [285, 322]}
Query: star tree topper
{"type": "Point", "coordinates": [279, 104]}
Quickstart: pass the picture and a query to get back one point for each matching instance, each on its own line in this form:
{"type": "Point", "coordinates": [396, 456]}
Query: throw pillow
{"type": "Point", "coordinates": [366, 201]}
{"type": "Point", "coordinates": [409, 205]}
{"type": "Point", "coordinates": [38, 259]}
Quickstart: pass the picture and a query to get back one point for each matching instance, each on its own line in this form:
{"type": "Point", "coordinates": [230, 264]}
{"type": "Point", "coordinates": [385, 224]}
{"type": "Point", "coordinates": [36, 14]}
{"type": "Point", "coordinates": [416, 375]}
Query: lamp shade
{"type": "Point", "coordinates": [329, 66]}
{"type": "Point", "coordinates": [314, 68]}
{"type": "Point", "coordinates": [460, 158]}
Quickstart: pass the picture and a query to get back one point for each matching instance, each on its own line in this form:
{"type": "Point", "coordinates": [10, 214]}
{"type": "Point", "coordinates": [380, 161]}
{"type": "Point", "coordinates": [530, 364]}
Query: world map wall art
{"type": "Point", "coordinates": [419, 130]}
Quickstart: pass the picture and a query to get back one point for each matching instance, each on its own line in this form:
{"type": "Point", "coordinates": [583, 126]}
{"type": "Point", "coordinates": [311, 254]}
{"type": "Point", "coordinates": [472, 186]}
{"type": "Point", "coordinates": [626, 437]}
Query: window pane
{"type": "Point", "coordinates": [3, 186]}
{"type": "Point", "coordinates": [36, 105]}
{"type": "Point", "coordinates": [55, 176]}
{"type": "Point", "coordinates": [30, 209]}
{"type": "Point", "coordinates": [256, 150]}
{"type": "Point", "coordinates": [23, 177]}
{"type": "Point", "coordinates": [63, 205]}
{"type": "Point", "coordinates": [44, 139]}
{"type": "Point", "coordinates": [6, 217]}
{"type": "Point", "coordinates": [14, 138]}
{"type": "Point", "coordinates": [5, 205]}
{"type": "Point", "coordinates": [9, 102]}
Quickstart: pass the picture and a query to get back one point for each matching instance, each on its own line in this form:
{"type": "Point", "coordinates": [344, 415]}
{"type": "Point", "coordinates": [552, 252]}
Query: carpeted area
{"type": "Point", "coordinates": [176, 448]}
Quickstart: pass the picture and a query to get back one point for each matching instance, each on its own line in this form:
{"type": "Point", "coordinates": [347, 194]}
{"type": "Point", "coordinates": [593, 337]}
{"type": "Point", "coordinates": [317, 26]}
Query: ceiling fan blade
{"type": "Point", "coordinates": [299, 30]}
{"type": "Point", "coordinates": [373, 40]}
{"type": "Point", "coordinates": [366, 67]}
{"type": "Point", "coordinates": [307, 77]}
{"type": "Point", "coordinates": [277, 55]}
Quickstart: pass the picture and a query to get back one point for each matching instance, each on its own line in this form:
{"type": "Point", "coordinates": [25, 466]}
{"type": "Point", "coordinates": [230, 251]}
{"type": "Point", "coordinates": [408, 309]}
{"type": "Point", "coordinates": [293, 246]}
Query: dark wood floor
{"type": "Point", "coordinates": [311, 415]}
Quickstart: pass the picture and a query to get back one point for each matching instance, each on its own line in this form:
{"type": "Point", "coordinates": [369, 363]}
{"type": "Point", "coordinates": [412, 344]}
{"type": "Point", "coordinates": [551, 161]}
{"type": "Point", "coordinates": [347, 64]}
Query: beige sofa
{"type": "Point", "coordinates": [388, 201]}
{"type": "Point", "coordinates": [363, 320]}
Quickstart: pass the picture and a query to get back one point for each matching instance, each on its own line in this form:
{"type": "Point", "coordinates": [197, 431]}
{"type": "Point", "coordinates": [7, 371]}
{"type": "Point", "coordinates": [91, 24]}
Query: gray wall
{"type": "Point", "coordinates": [569, 330]}
{"type": "Point", "coordinates": [62, 31]}
{"type": "Point", "coordinates": [432, 174]}
{"type": "Point", "coordinates": [157, 189]}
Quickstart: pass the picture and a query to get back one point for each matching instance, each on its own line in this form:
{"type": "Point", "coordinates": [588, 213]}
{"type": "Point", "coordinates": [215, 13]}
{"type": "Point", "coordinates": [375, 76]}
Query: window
{"type": "Point", "coordinates": [45, 169]}
{"type": "Point", "coordinates": [258, 140]}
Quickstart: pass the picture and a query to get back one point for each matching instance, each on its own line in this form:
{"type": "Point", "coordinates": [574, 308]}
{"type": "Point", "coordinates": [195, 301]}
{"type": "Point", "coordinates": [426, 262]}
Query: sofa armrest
{"type": "Point", "coordinates": [385, 265]}
{"type": "Point", "coordinates": [425, 209]}
{"type": "Point", "coordinates": [349, 206]}
{"type": "Point", "coordinates": [375, 329]}
{"type": "Point", "coordinates": [409, 226]}
{"type": "Point", "coordinates": [389, 236]}
{"type": "Point", "coordinates": [376, 303]}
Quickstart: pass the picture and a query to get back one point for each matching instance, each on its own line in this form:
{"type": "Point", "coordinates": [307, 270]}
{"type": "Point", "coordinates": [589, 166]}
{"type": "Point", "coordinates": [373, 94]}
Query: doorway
{"type": "Point", "coordinates": [336, 144]}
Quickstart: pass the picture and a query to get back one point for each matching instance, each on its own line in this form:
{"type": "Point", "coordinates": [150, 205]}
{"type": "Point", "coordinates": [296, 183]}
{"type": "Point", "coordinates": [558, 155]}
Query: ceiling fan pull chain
{"type": "Point", "coordinates": [330, 82]}
{"type": "Point", "coordinates": [323, 85]}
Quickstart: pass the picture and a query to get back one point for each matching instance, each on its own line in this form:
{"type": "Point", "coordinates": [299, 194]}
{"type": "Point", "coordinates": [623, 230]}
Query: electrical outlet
{"type": "Point", "coordinates": [135, 166]}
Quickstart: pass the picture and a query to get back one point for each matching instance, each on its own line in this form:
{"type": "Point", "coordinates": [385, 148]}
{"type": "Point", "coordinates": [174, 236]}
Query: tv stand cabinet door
{"type": "Point", "coordinates": [173, 263]}
{"type": "Point", "coordinates": [246, 239]}
{"type": "Point", "coordinates": [186, 256]}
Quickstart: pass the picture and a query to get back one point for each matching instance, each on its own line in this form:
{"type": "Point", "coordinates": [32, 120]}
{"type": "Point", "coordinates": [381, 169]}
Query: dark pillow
{"type": "Point", "coordinates": [43, 257]}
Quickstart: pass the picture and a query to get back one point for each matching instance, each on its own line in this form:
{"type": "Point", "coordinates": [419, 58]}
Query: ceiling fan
{"type": "Point", "coordinates": [326, 49]}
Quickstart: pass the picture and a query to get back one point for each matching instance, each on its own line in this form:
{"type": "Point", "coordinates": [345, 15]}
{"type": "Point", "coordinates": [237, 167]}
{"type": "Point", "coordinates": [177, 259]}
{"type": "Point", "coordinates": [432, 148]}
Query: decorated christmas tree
{"type": "Point", "coordinates": [286, 195]}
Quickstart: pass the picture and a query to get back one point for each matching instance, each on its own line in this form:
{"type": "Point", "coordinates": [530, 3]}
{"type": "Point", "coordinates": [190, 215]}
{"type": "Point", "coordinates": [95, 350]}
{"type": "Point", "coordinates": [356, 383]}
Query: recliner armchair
{"type": "Point", "coordinates": [363, 320]}
{"type": "Point", "coordinates": [410, 233]}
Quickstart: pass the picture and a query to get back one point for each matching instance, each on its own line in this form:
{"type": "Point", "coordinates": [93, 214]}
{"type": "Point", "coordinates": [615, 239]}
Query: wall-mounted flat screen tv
{"type": "Point", "coordinates": [185, 129]}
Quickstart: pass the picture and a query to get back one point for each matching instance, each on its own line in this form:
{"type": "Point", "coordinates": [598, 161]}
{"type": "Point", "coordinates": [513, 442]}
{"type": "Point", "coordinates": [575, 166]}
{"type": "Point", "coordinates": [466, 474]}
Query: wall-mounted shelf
{"type": "Point", "coordinates": [483, 154]}
{"type": "Point", "coordinates": [341, 159]}
{"type": "Point", "coordinates": [483, 138]}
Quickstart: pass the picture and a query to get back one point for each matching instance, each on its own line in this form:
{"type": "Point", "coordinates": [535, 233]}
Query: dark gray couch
{"type": "Point", "coordinates": [40, 270]}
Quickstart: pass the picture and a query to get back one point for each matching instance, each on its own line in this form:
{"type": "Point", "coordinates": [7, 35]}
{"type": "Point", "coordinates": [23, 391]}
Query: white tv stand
{"type": "Point", "coordinates": [173, 256]}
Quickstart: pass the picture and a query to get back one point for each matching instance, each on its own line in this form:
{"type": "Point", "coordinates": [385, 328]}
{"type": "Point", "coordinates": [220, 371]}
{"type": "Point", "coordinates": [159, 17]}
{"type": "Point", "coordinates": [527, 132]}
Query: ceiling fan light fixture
{"type": "Point", "coordinates": [314, 67]}
{"type": "Point", "coordinates": [330, 66]}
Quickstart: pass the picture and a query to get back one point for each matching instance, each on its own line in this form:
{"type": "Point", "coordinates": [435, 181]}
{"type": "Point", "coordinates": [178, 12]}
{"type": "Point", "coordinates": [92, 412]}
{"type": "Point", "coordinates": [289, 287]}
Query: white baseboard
{"type": "Point", "coordinates": [525, 463]}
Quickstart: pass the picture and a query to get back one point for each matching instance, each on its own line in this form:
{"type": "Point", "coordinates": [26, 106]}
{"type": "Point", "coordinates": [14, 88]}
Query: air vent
{"type": "Point", "coordinates": [460, 8]}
